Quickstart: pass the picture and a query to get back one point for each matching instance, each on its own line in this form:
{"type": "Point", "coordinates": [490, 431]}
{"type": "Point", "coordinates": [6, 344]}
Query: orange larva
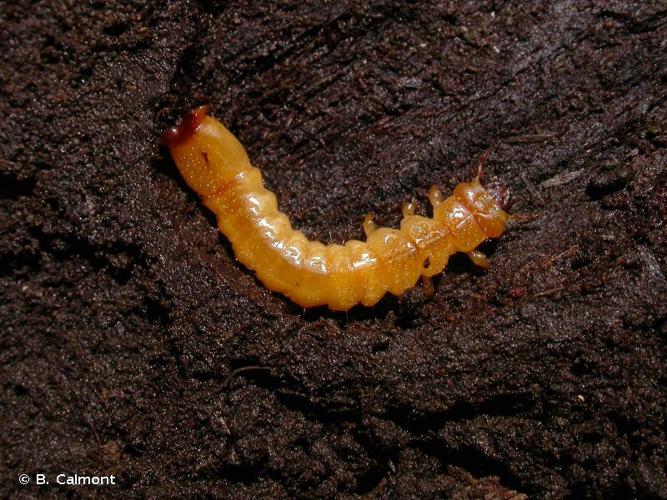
{"type": "Point", "coordinates": [216, 166]}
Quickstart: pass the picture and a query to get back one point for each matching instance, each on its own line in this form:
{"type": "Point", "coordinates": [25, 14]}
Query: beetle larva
{"type": "Point", "coordinates": [216, 166]}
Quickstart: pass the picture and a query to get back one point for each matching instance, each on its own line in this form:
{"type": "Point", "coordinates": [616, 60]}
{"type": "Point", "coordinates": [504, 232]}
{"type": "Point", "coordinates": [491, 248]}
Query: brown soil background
{"type": "Point", "coordinates": [132, 344]}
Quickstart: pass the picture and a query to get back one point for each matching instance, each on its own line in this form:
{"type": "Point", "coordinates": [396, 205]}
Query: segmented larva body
{"type": "Point", "coordinates": [216, 166]}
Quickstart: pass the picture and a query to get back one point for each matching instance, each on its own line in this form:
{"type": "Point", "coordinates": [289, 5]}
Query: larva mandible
{"type": "Point", "coordinates": [215, 165]}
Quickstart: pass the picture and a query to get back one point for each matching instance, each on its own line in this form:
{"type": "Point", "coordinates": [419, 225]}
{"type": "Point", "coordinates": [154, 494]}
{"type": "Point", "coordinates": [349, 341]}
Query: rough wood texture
{"type": "Point", "coordinates": [132, 343]}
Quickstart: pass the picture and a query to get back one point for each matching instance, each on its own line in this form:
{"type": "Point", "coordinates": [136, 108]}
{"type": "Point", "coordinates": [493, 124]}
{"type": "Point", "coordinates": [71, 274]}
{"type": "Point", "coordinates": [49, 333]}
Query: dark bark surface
{"type": "Point", "coordinates": [131, 343]}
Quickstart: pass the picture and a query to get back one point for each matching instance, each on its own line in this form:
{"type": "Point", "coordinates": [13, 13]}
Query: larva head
{"type": "Point", "coordinates": [487, 204]}
{"type": "Point", "coordinates": [208, 156]}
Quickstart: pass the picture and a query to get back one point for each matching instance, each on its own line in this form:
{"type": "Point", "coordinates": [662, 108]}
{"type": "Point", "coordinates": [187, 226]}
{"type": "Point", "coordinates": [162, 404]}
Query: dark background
{"type": "Point", "coordinates": [131, 343]}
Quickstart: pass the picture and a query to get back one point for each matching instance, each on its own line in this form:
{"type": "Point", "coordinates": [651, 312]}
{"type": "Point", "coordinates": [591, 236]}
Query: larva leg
{"type": "Point", "coordinates": [479, 259]}
{"type": "Point", "coordinates": [409, 208]}
{"type": "Point", "coordinates": [427, 286]}
{"type": "Point", "coordinates": [435, 196]}
{"type": "Point", "coordinates": [369, 225]}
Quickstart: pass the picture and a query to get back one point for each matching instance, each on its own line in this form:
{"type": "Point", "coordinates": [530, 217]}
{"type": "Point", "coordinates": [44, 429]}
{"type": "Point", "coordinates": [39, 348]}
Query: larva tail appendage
{"type": "Point", "coordinates": [186, 127]}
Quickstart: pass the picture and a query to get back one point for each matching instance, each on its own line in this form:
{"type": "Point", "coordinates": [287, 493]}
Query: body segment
{"type": "Point", "coordinates": [216, 166]}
